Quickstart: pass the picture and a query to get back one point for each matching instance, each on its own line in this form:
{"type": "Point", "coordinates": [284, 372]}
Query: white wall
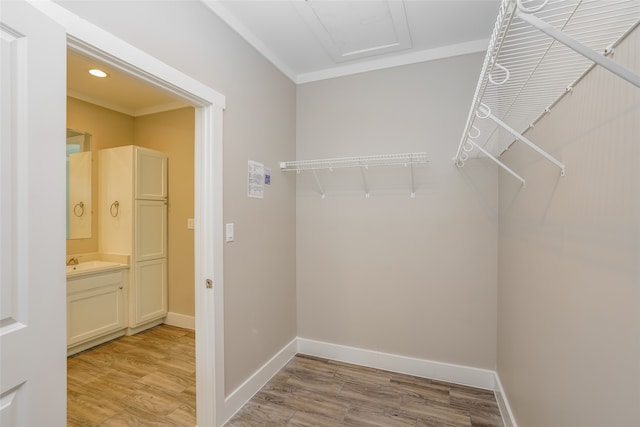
{"type": "Point", "coordinates": [569, 275]}
{"type": "Point", "coordinates": [412, 277]}
{"type": "Point", "coordinates": [259, 124]}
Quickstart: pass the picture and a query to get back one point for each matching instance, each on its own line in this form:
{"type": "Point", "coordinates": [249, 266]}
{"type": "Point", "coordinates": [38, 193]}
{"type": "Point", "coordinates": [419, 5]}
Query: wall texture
{"type": "Point", "coordinates": [569, 270]}
{"type": "Point", "coordinates": [413, 277]}
{"type": "Point", "coordinates": [172, 132]}
{"type": "Point", "coordinates": [259, 124]}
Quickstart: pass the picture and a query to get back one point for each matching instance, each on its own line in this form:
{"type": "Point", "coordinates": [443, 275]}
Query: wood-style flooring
{"type": "Point", "coordinates": [147, 379]}
{"type": "Point", "coordinates": [317, 392]}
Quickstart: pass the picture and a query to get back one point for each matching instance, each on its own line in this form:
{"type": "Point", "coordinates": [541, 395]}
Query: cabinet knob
{"type": "Point", "coordinates": [120, 287]}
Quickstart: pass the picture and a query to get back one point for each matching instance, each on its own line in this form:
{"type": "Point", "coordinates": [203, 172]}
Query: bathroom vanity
{"type": "Point", "coordinates": [96, 303]}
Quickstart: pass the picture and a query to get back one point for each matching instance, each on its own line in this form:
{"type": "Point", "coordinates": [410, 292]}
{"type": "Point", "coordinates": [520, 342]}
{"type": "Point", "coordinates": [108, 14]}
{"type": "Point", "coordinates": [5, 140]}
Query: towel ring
{"type": "Point", "coordinates": [79, 207]}
{"type": "Point", "coordinates": [115, 207]}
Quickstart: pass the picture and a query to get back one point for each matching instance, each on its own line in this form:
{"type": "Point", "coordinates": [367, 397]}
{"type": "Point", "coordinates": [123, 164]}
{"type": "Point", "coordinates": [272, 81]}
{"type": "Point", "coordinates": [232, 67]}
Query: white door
{"type": "Point", "coordinates": [32, 218]}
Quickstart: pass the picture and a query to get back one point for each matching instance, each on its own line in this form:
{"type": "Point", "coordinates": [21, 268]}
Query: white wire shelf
{"type": "Point", "coordinates": [538, 51]}
{"type": "Point", "coordinates": [353, 162]}
{"type": "Point", "coordinates": [361, 162]}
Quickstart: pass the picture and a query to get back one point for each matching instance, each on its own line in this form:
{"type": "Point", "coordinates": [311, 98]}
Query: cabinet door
{"type": "Point", "coordinates": [95, 312]}
{"type": "Point", "coordinates": [150, 298]}
{"type": "Point", "coordinates": [150, 230]}
{"type": "Point", "coordinates": [151, 175]}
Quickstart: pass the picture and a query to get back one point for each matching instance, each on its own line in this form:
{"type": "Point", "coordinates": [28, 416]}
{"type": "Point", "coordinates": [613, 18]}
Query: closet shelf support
{"type": "Point", "coordinates": [315, 175]}
{"type": "Point", "coordinates": [413, 186]}
{"type": "Point", "coordinates": [571, 43]}
{"type": "Point", "coordinates": [364, 181]}
{"type": "Point", "coordinates": [502, 165]}
{"type": "Point", "coordinates": [486, 113]}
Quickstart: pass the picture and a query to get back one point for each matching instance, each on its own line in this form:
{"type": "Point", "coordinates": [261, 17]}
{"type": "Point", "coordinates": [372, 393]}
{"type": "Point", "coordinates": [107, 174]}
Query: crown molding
{"type": "Point", "coordinates": [395, 61]}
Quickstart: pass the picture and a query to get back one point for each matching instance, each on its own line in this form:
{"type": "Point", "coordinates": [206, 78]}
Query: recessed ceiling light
{"type": "Point", "coordinates": [98, 73]}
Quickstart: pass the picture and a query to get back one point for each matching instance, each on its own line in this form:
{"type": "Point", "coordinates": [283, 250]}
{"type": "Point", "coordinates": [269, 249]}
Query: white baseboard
{"type": "Point", "coordinates": [253, 384]}
{"type": "Point", "coordinates": [475, 377]}
{"type": "Point", "coordinates": [503, 403]}
{"type": "Point", "coordinates": [458, 374]}
{"type": "Point", "coordinates": [180, 320]}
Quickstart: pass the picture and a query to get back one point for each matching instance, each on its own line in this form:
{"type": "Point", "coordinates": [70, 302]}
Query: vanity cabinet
{"type": "Point", "coordinates": [133, 221]}
{"type": "Point", "coordinates": [96, 309]}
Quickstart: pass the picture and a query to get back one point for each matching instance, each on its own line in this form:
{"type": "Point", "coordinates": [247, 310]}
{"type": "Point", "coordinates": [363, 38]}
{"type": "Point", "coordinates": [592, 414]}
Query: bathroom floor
{"type": "Point", "coordinates": [143, 379]}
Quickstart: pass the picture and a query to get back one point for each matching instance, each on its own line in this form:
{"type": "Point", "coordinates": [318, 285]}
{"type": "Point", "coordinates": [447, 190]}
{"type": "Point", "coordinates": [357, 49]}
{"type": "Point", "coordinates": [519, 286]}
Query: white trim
{"type": "Point", "coordinates": [126, 110]}
{"type": "Point", "coordinates": [180, 320]}
{"type": "Point", "coordinates": [458, 374]}
{"type": "Point", "coordinates": [505, 409]}
{"type": "Point", "coordinates": [394, 61]}
{"type": "Point", "coordinates": [94, 42]}
{"type": "Point", "coordinates": [255, 382]}
{"type": "Point", "coordinates": [342, 70]}
{"type": "Point", "coordinates": [228, 18]}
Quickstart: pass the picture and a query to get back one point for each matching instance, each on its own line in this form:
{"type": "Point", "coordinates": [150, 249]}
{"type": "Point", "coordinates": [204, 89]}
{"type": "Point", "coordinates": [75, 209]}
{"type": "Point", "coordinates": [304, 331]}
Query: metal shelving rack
{"type": "Point", "coordinates": [538, 51]}
{"type": "Point", "coordinates": [361, 162]}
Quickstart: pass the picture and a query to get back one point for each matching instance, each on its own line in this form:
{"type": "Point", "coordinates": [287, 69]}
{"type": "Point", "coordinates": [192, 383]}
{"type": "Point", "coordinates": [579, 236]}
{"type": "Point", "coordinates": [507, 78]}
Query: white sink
{"type": "Point", "coordinates": [93, 267]}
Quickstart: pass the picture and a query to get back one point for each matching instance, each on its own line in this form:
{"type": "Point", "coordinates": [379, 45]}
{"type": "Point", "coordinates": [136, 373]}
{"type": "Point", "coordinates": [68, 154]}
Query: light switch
{"type": "Point", "coordinates": [190, 224]}
{"type": "Point", "coordinates": [229, 232]}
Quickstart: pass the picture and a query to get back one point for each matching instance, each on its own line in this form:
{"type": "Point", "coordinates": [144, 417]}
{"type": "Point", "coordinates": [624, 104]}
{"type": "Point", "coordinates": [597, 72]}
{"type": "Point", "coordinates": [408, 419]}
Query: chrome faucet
{"type": "Point", "coordinates": [73, 261]}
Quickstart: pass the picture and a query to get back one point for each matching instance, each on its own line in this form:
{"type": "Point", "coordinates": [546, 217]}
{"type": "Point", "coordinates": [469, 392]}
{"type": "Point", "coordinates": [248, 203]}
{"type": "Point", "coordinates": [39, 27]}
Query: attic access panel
{"type": "Point", "coordinates": [357, 29]}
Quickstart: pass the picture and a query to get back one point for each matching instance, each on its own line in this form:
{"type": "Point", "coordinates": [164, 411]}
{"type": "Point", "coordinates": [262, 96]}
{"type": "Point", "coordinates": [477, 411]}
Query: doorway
{"type": "Point", "coordinates": [118, 111]}
{"type": "Point", "coordinates": [208, 104]}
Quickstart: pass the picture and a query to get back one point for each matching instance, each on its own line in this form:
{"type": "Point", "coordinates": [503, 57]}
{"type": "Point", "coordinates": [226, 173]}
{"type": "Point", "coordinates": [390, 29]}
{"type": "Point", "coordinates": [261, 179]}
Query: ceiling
{"type": "Point", "coordinates": [311, 40]}
{"type": "Point", "coordinates": [118, 91]}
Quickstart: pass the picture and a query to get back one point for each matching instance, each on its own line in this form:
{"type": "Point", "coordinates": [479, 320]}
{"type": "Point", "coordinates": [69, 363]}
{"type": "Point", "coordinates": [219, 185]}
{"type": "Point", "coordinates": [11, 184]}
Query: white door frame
{"type": "Point", "coordinates": [92, 41]}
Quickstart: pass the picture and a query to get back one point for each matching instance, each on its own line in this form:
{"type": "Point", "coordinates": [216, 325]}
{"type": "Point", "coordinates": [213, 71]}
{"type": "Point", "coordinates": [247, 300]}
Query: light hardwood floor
{"type": "Point", "coordinates": [317, 392]}
{"type": "Point", "coordinates": [148, 379]}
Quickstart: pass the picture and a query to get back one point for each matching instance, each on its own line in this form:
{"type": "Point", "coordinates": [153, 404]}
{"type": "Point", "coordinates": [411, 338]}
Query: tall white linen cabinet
{"type": "Point", "coordinates": [133, 221]}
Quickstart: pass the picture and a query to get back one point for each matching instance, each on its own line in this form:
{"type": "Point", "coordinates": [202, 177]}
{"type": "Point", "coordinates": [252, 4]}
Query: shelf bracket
{"type": "Point", "coordinates": [486, 113]}
{"type": "Point", "coordinates": [571, 43]}
{"type": "Point", "coordinates": [502, 165]}
{"type": "Point", "coordinates": [364, 181]}
{"type": "Point", "coordinates": [315, 175]}
{"type": "Point", "coordinates": [413, 186]}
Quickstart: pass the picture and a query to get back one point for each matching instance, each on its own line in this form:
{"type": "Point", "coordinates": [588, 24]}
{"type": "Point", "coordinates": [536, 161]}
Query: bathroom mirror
{"type": "Point", "coordinates": [78, 185]}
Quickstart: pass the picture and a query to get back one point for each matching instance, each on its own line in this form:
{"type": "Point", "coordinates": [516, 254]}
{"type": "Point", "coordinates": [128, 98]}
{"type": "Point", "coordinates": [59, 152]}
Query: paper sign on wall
{"type": "Point", "coordinates": [255, 180]}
